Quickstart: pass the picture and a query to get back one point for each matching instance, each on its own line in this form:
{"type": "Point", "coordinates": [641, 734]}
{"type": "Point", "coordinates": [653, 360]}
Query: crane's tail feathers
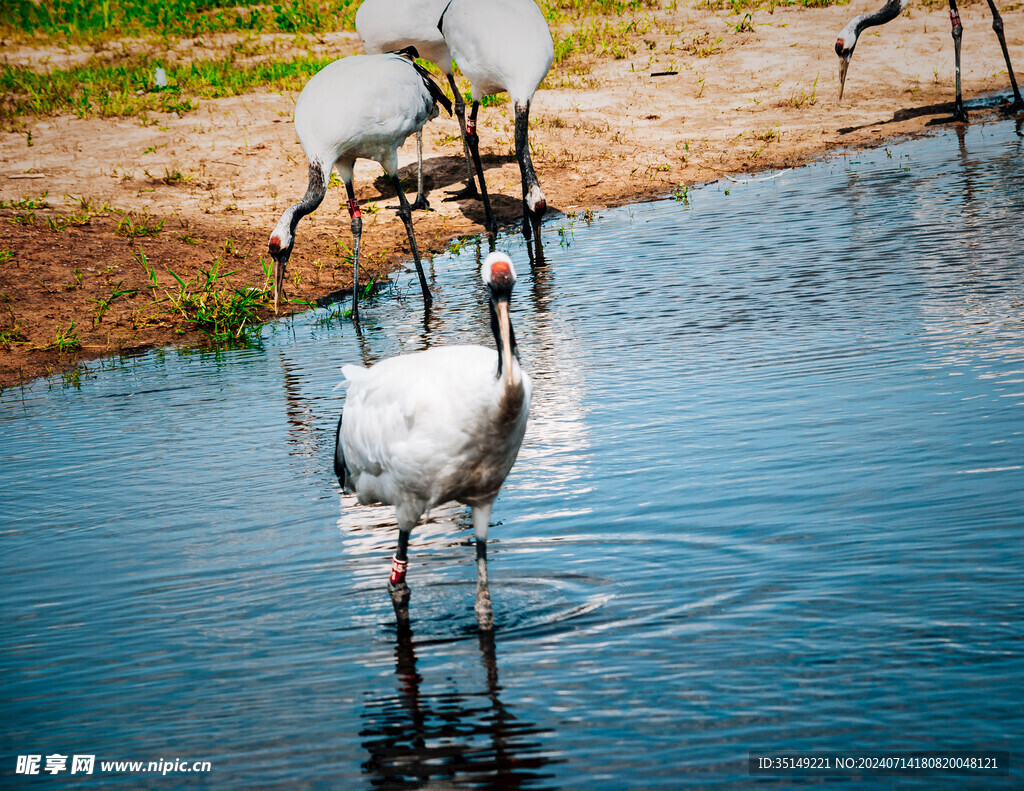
{"type": "Point", "coordinates": [353, 373]}
{"type": "Point", "coordinates": [340, 470]}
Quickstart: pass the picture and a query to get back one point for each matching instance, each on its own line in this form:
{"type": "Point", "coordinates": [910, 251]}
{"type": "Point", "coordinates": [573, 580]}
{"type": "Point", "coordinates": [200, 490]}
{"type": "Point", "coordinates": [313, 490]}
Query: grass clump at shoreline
{"type": "Point", "coordinates": [222, 312]}
{"type": "Point", "coordinates": [126, 88]}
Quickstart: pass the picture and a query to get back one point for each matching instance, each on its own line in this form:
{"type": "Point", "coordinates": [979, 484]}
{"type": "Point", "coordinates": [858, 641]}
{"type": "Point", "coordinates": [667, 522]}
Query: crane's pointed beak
{"type": "Point", "coordinates": [505, 333]}
{"type": "Point", "coordinates": [844, 64]}
{"type": "Point", "coordinates": [278, 282]}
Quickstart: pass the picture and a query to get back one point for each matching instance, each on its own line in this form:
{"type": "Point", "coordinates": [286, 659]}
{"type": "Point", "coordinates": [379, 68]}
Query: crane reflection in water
{"type": "Point", "coordinates": [449, 738]}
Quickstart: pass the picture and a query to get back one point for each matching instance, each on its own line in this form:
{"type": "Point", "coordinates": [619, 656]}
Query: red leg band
{"type": "Point", "coordinates": [353, 208]}
{"type": "Point", "coordinates": [398, 568]}
{"type": "Point", "coordinates": [470, 126]}
{"type": "Point", "coordinates": [954, 17]}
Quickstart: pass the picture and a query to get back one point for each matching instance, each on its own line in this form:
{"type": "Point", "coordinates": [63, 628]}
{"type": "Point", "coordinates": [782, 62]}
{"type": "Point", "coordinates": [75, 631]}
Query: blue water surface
{"type": "Point", "coordinates": [771, 497]}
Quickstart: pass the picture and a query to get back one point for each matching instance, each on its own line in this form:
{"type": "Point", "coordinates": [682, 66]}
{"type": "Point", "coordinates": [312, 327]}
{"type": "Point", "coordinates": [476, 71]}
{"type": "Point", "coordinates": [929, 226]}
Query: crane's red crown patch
{"type": "Point", "coordinates": [501, 274]}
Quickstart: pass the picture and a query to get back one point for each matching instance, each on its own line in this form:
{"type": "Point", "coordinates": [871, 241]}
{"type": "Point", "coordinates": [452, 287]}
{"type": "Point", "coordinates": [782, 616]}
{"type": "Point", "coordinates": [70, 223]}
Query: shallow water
{"type": "Point", "coordinates": [771, 497]}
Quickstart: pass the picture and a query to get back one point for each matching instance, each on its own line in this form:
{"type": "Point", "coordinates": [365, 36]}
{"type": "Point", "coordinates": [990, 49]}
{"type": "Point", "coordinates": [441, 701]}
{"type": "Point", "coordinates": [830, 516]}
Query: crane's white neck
{"type": "Point", "coordinates": [508, 364]}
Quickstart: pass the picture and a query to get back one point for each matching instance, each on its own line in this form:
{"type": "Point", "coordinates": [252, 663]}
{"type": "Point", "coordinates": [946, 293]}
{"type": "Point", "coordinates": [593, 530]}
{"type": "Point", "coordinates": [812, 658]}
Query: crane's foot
{"type": "Point", "coordinates": [419, 203]}
{"type": "Point", "coordinates": [466, 193]}
{"type": "Point", "coordinates": [400, 595]}
{"type": "Point", "coordinates": [960, 114]}
{"type": "Point", "coordinates": [1014, 107]}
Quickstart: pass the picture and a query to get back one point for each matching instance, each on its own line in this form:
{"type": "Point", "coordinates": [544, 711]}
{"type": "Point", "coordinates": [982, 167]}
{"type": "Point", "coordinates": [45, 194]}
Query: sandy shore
{"type": "Point", "coordinates": [605, 131]}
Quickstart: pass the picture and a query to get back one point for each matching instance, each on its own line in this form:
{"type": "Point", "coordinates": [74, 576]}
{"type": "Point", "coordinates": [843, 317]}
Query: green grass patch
{"type": "Point", "coordinates": [65, 339]}
{"type": "Point", "coordinates": [558, 11]}
{"type": "Point", "coordinates": [221, 311]}
{"type": "Point", "coordinates": [132, 225]}
{"type": "Point", "coordinates": [125, 88]}
{"type": "Point", "coordinates": [601, 37]}
{"type": "Point", "coordinates": [84, 21]}
{"type": "Point", "coordinates": [103, 303]}
{"type": "Point", "coordinates": [11, 335]}
{"type": "Point", "coordinates": [26, 204]}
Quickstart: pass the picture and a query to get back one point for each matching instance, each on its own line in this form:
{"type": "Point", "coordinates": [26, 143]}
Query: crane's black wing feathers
{"type": "Point", "coordinates": [440, 21]}
{"type": "Point", "coordinates": [339, 457]}
{"type": "Point", "coordinates": [434, 88]}
{"type": "Point", "coordinates": [411, 54]}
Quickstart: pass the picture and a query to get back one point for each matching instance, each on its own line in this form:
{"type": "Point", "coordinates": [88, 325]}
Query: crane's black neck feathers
{"type": "Point", "coordinates": [502, 295]}
{"type": "Point", "coordinates": [886, 13]}
{"type": "Point", "coordinates": [315, 192]}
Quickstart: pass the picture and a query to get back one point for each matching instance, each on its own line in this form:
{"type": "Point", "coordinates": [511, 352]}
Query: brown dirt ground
{"type": "Point", "coordinates": [604, 132]}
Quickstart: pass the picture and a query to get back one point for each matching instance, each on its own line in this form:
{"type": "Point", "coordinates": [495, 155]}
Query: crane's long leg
{"type": "Point", "coordinates": [529, 178]}
{"type": "Point", "coordinates": [397, 586]}
{"type": "Point", "coordinates": [405, 212]}
{"type": "Point", "coordinates": [997, 26]}
{"type": "Point", "coordinates": [474, 147]}
{"type": "Point", "coordinates": [460, 112]}
{"type": "Point", "coordinates": [958, 31]}
{"type": "Point", "coordinates": [357, 232]}
{"type": "Point", "coordinates": [421, 199]}
{"type": "Point", "coordinates": [484, 611]}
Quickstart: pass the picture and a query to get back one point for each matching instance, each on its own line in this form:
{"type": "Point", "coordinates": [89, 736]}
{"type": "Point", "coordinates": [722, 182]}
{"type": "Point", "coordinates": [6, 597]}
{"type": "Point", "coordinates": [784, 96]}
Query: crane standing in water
{"type": "Point", "coordinates": [503, 45]}
{"type": "Point", "coordinates": [387, 25]}
{"type": "Point", "coordinates": [444, 424]}
{"type": "Point", "coordinates": [848, 40]}
{"type": "Point", "coordinates": [359, 106]}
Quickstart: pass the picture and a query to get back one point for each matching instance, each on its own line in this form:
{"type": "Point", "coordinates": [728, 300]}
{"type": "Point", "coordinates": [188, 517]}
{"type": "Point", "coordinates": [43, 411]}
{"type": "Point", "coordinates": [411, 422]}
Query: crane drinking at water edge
{"type": "Point", "coordinates": [848, 40]}
{"type": "Point", "coordinates": [444, 424]}
{"type": "Point", "coordinates": [359, 106]}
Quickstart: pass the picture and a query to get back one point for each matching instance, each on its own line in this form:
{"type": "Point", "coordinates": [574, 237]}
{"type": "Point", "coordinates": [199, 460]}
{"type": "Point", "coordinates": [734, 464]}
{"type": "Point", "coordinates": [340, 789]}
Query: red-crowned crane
{"type": "Point", "coordinates": [388, 25]}
{"type": "Point", "coordinates": [503, 45]}
{"type": "Point", "coordinates": [848, 36]}
{"type": "Point", "coordinates": [359, 106]}
{"type": "Point", "coordinates": [444, 424]}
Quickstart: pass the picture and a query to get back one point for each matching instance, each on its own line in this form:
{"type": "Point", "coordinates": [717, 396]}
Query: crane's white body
{"type": "Point", "coordinates": [362, 106]}
{"type": "Point", "coordinates": [422, 429]}
{"type": "Point", "coordinates": [500, 45]}
{"type": "Point", "coordinates": [439, 425]}
{"type": "Point", "coordinates": [387, 25]}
